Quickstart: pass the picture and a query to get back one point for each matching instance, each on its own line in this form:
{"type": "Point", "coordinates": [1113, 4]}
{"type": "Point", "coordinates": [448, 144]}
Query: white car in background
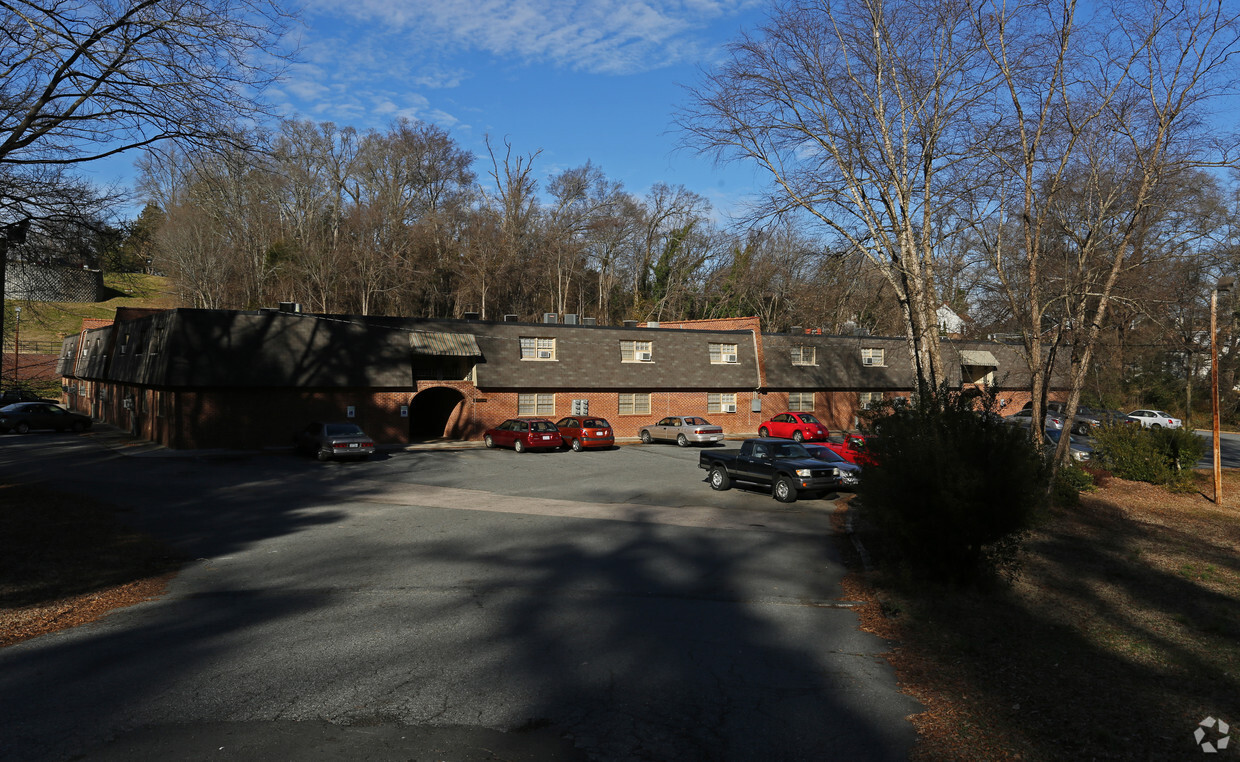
{"type": "Point", "coordinates": [1154, 419]}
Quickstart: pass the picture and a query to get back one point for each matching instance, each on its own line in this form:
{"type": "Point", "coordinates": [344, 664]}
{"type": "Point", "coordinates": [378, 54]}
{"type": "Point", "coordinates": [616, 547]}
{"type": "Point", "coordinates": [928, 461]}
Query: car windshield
{"type": "Point", "coordinates": [697, 422]}
{"type": "Point", "coordinates": [791, 450]}
{"type": "Point", "coordinates": [542, 426]}
{"type": "Point", "coordinates": [342, 430]}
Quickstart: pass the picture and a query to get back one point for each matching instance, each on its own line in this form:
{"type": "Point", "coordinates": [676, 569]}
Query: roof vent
{"type": "Point", "coordinates": [471, 315]}
{"type": "Point", "coordinates": [290, 307]}
{"type": "Point", "coordinates": [589, 321]}
{"type": "Point", "coordinates": [796, 329]}
{"type": "Point", "coordinates": [510, 318]}
{"type": "Point", "coordinates": [550, 317]}
{"type": "Point", "coordinates": [570, 319]}
{"type": "Point", "coordinates": [630, 324]}
{"type": "Point", "coordinates": [652, 324]}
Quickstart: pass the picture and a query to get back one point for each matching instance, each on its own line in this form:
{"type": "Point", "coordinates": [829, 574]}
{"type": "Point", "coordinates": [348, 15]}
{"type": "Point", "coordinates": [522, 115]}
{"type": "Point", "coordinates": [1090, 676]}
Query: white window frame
{"type": "Point", "coordinates": [801, 402]}
{"type": "Point", "coordinates": [631, 350]}
{"type": "Point", "coordinates": [799, 355]}
{"type": "Point", "coordinates": [536, 404]}
{"type": "Point", "coordinates": [718, 353]}
{"type": "Point", "coordinates": [633, 403]}
{"type": "Point", "coordinates": [875, 355]}
{"type": "Point", "coordinates": [533, 347]}
{"type": "Point", "coordinates": [716, 402]}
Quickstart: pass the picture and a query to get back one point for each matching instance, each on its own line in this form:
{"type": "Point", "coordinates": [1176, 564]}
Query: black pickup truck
{"type": "Point", "coordinates": [784, 465]}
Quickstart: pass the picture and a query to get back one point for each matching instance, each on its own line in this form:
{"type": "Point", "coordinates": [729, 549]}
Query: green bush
{"type": "Point", "coordinates": [1163, 456]}
{"type": "Point", "coordinates": [951, 488]}
{"type": "Point", "coordinates": [1070, 482]}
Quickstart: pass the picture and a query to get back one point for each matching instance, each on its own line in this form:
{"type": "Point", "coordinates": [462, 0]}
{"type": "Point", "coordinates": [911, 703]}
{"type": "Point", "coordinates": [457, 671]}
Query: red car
{"type": "Point", "coordinates": [523, 434]}
{"type": "Point", "coordinates": [852, 449]}
{"type": "Point", "coordinates": [803, 427]}
{"type": "Point", "coordinates": [580, 432]}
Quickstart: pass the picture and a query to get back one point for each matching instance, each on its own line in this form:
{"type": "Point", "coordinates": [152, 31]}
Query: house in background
{"type": "Point", "coordinates": [191, 378]}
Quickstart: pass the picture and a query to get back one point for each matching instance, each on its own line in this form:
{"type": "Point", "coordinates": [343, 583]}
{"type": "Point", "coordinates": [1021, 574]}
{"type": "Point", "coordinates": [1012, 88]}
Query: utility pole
{"type": "Point", "coordinates": [14, 233]}
{"type": "Point", "coordinates": [1223, 286]}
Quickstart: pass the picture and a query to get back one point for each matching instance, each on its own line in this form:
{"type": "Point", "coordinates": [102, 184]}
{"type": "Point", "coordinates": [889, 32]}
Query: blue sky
{"type": "Point", "coordinates": [580, 80]}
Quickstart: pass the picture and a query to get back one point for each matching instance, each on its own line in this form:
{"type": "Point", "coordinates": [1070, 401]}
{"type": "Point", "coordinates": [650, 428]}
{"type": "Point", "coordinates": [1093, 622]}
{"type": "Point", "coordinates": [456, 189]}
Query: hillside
{"type": "Point", "coordinates": [44, 324]}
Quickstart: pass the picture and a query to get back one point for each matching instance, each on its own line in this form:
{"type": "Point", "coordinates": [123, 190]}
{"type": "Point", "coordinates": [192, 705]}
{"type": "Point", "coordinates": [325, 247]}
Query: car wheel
{"type": "Point", "coordinates": [488, 441]}
{"type": "Point", "coordinates": [646, 437]}
{"type": "Point", "coordinates": [682, 440]}
{"type": "Point", "coordinates": [764, 432]}
{"type": "Point", "coordinates": [719, 478]}
{"type": "Point", "coordinates": [576, 445]}
{"type": "Point", "coordinates": [1155, 426]}
{"type": "Point", "coordinates": [518, 445]}
{"type": "Point", "coordinates": [22, 427]}
{"type": "Point", "coordinates": [79, 427]}
{"type": "Point", "coordinates": [784, 490]}
{"type": "Point", "coordinates": [797, 436]}
{"type": "Point", "coordinates": [324, 456]}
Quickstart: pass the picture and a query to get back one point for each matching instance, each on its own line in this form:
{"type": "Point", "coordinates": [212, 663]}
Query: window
{"type": "Point", "coordinates": [801, 402]}
{"type": "Point", "coordinates": [869, 399]}
{"type": "Point", "coordinates": [124, 344]}
{"type": "Point", "coordinates": [872, 357]}
{"type": "Point", "coordinates": [636, 351]}
{"type": "Point", "coordinates": [536, 404]}
{"type": "Point", "coordinates": [722, 353]}
{"type": "Point", "coordinates": [636, 403]}
{"type": "Point", "coordinates": [805, 356]}
{"type": "Point", "coordinates": [537, 348]}
{"type": "Point", "coordinates": [718, 402]}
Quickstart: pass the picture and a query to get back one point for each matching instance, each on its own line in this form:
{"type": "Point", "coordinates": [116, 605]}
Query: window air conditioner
{"type": "Point", "coordinates": [867, 360]}
{"type": "Point", "coordinates": [643, 356]}
{"type": "Point", "coordinates": [729, 358]}
{"type": "Point", "coordinates": [544, 354]}
{"type": "Point", "coordinates": [729, 408]}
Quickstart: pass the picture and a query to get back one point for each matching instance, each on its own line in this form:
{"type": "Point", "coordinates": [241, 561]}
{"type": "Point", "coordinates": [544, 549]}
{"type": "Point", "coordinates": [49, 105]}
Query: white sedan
{"type": "Point", "coordinates": [1154, 419]}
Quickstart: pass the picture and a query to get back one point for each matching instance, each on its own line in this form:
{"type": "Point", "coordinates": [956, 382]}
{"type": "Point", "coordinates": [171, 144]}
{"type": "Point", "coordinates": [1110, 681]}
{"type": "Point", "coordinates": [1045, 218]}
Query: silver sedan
{"type": "Point", "coordinates": [683, 430]}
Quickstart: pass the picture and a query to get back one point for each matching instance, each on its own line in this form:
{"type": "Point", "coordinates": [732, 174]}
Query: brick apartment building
{"type": "Point", "coordinates": [191, 378]}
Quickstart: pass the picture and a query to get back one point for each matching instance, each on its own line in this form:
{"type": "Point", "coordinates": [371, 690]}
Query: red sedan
{"type": "Point", "coordinates": [852, 449]}
{"type": "Point", "coordinates": [523, 434]}
{"type": "Point", "coordinates": [580, 432]}
{"type": "Point", "coordinates": [803, 427]}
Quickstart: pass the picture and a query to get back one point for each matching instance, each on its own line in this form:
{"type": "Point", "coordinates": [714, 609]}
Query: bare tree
{"type": "Point", "coordinates": [855, 111]}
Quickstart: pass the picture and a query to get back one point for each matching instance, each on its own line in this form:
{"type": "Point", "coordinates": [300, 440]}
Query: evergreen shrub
{"type": "Point", "coordinates": [952, 486]}
{"type": "Point", "coordinates": [1162, 456]}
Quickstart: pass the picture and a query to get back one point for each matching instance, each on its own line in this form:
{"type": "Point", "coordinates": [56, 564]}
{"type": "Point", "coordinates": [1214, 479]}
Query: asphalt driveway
{"type": "Point", "coordinates": [471, 604]}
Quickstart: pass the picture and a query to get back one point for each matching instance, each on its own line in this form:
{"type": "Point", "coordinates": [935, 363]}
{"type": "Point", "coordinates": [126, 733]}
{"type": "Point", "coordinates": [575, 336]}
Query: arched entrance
{"type": "Point", "coordinates": [435, 413]}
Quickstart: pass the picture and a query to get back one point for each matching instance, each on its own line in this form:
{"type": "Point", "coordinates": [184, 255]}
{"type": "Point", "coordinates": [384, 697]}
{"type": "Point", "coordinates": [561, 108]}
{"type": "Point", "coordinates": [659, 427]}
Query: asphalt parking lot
{"type": "Point", "coordinates": [454, 604]}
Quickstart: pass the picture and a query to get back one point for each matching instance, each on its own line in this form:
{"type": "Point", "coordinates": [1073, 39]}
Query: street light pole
{"type": "Point", "coordinates": [1223, 286]}
{"type": "Point", "coordinates": [17, 336]}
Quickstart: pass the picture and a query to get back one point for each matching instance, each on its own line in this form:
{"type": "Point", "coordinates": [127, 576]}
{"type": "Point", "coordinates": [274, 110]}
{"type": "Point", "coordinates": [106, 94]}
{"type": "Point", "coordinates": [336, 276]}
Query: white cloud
{"type": "Point", "coordinates": [600, 36]}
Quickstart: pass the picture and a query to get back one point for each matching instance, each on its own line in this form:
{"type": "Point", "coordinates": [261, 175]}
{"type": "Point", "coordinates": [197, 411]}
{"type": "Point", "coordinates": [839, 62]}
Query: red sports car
{"type": "Point", "coordinates": [523, 434]}
{"type": "Point", "coordinates": [803, 427]}
{"type": "Point", "coordinates": [580, 432]}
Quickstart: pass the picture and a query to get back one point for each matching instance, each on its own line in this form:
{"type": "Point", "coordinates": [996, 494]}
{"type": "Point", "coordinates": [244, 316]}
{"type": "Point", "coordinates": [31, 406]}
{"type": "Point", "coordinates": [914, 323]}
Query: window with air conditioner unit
{"type": "Point", "coordinates": [643, 357]}
{"type": "Point", "coordinates": [537, 348]}
{"type": "Point", "coordinates": [636, 351]}
{"type": "Point", "coordinates": [544, 354]}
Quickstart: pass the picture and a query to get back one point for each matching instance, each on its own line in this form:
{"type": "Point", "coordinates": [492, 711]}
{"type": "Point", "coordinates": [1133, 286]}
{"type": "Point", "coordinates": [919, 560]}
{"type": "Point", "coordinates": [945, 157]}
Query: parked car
{"type": "Point", "coordinates": [523, 434]}
{"type": "Point", "coordinates": [334, 440]}
{"type": "Point", "coordinates": [21, 417]}
{"type": "Point", "coordinates": [802, 427]}
{"type": "Point", "coordinates": [1155, 419]}
{"type": "Point", "coordinates": [581, 432]}
{"type": "Point", "coordinates": [1083, 423]}
{"type": "Point", "coordinates": [682, 430]}
{"type": "Point", "coordinates": [1081, 450]}
{"type": "Point", "coordinates": [1025, 418]}
{"type": "Point", "coordinates": [784, 465]}
{"type": "Point", "coordinates": [11, 396]}
{"type": "Point", "coordinates": [846, 474]}
{"type": "Point", "coordinates": [851, 447]}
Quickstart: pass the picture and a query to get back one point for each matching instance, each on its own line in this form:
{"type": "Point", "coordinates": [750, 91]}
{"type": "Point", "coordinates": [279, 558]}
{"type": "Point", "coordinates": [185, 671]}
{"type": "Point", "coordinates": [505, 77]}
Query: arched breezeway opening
{"type": "Point", "coordinates": [436, 413]}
